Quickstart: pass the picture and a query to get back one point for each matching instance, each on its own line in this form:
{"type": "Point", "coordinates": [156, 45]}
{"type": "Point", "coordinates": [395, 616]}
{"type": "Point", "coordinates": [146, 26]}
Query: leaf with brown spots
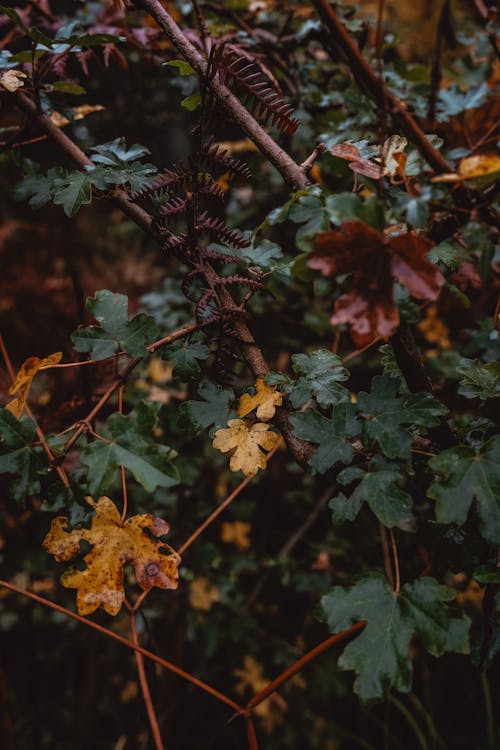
{"type": "Point", "coordinates": [265, 401]}
{"type": "Point", "coordinates": [24, 378]}
{"type": "Point", "coordinates": [114, 544]}
{"type": "Point", "coordinates": [374, 262]}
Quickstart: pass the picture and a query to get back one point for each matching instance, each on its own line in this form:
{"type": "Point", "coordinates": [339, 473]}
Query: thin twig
{"type": "Point", "coordinates": [125, 642]}
{"type": "Point", "coordinates": [251, 734]}
{"type": "Point", "coordinates": [143, 682]}
{"type": "Point", "coordinates": [395, 557]}
{"type": "Point", "coordinates": [300, 663]}
{"type": "Point", "coordinates": [385, 553]}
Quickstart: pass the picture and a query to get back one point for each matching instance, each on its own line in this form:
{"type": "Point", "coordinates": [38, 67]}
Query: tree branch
{"type": "Point", "coordinates": [291, 172]}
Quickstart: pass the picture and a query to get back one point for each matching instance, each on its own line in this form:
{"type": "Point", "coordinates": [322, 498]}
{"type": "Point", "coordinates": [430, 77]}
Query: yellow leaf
{"type": "Point", "coordinates": [236, 533]}
{"type": "Point", "coordinates": [114, 544]}
{"type": "Point", "coordinates": [265, 400]}
{"type": "Point", "coordinates": [203, 594]}
{"type": "Point", "coordinates": [270, 711]}
{"type": "Point", "coordinates": [12, 80]}
{"type": "Point", "coordinates": [248, 455]}
{"type": "Point", "coordinates": [24, 378]}
{"type": "Point", "coordinates": [435, 331]}
{"type": "Point", "coordinates": [478, 166]}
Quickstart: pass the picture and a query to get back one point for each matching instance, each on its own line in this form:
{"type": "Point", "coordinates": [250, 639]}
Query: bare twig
{"type": "Point", "coordinates": [143, 681]}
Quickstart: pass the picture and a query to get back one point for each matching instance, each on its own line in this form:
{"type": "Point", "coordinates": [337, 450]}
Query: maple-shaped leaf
{"type": "Point", "coordinates": [114, 544]}
{"type": "Point", "coordinates": [24, 378]}
{"type": "Point", "coordinates": [385, 414]}
{"type": "Point", "coordinates": [380, 654]}
{"type": "Point", "coordinates": [374, 261]}
{"type": "Point", "coordinates": [331, 435]}
{"type": "Point", "coordinates": [185, 355]}
{"type": "Point", "coordinates": [467, 475]}
{"type": "Point", "coordinates": [479, 380]}
{"type": "Point", "coordinates": [265, 400]}
{"type": "Point", "coordinates": [213, 411]}
{"type": "Point", "coordinates": [128, 443]}
{"type": "Point", "coordinates": [115, 331]}
{"type": "Point", "coordinates": [248, 443]}
{"type": "Point", "coordinates": [319, 375]}
{"type": "Point", "coordinates": [380, 489]}
{"type": "Point", "coordinates": [17, 457]}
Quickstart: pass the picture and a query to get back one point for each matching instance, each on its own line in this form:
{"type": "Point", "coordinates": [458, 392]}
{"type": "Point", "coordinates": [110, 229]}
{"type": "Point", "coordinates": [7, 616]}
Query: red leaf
{"type": "Point", "coordinates": [374, 261]}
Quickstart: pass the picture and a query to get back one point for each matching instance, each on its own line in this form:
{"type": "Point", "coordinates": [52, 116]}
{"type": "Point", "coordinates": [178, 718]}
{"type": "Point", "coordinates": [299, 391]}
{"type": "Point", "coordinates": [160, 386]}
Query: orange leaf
{"type": "Point", "coordinates": [24, 378]}
{"type": "Point", "coordinates": [114, 544]}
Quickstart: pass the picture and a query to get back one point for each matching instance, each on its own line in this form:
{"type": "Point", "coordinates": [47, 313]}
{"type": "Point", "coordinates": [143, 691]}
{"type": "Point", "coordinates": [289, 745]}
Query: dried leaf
{"type": "Point", "coordinates": [24, 378]}
{"type": "Point", "coordinates": [12, 80]}
{"type": "Point", "coordinates": [478, 166]}
{"type": "Point", "coordinates": [265, 401]}
{"type": "Point", "coordinates": [114, 544]}
{"type": "Point", "coordinates": [392, 151]}
{"type": "Point", "coordinates": [359, 164]}
{"type": "Point", "coordinates": [248, 443]}
{"type": "Point", "coordinates": [374, 260]}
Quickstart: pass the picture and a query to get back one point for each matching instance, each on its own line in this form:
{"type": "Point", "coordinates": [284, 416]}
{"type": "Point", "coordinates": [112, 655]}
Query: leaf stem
{"type": "Point", "coordinates": [143, 681]}
{"type": "Point", "coordinates": [125, 642]}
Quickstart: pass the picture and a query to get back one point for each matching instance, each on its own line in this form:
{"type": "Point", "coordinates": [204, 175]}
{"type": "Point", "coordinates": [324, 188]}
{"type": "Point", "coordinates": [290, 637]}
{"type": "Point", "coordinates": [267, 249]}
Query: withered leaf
{"type": "Point", "coordinates": [24, 378]}
{"type": "Point", "coordinates": [374, 262]}
{"type": "Point", "coordinates": [265, 401]}
{"type": "Point", "coordinates": [248, 442]}
{"type": "Point", "coordinates": [114, 544]}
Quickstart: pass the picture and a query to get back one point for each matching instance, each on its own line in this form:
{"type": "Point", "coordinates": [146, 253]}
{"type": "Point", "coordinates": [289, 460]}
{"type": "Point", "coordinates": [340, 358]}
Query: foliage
{"type": "Point", "coordinates": [265, 253]}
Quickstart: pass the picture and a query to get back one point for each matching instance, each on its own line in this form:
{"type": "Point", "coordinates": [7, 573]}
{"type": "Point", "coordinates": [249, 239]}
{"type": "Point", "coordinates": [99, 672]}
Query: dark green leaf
{"type": "Point", "coordinates": [214, 411]}
{"type": "Point", "coordinates": [185, 355]}
{"type": "Point", "coordinates": [479, 381]}
{"type": "Point", "coordinates": [468, 475]}
{"type": "Point", "coordinates": [331, 435]}
{"type": "Point", "coordinates": [380, 488]}
{"type": "Point", "coordinates": [380, 654]}
{"type": "Point", "coordinates": [115, 331]}
{"type": "Point", "coordinates": [17, 458]}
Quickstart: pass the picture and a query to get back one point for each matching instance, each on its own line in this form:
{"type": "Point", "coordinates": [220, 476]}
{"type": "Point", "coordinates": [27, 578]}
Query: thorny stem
{"type": "Point", "coordinates": [125, 642]}
{"type": "Point", "coordinates": [39, 432]}
{"type": "Point", "coordinates": [300, 663]}
{"type": "Point", "coordinates": [143, 681]}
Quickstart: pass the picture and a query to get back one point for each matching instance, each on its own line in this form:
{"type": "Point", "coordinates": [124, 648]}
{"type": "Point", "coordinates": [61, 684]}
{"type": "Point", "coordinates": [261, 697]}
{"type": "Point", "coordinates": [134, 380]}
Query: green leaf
{"type": "Point", "coordinates": [68, 87]}
{"type": "Point", "coordinates": [192, 101]}
{"type": "Point", "coordinates": [38, 188]}
{"type": "Point", "coordinates": [479, 381]}
{"type": "Point", "coordinates": [386, 412]}
{"type": "Point", "coordinates": [17, 458]}
{"type": "Point", "coordinates": [72, 191]}
{"type": "Point", "coordinates": [115, 153]}
{"type": "Point", "coordinates": [451, 101]}
{"type": "Point", "coordinates": [320, 375]}
{"type": "Point", "coordinates": [468, 475]}
{"type": "Point", "coordinates": [488, 573]}
{"type": "Point", "coordinates": [129, 447]}
{"type": "Point", "coordinates": [331, 435]}
{"type": "Point", "coordinates": [115, 331]}
{"type": "Point", "coordinates": [184, 68]}
{"type": "Point", "coordinates": [213, 412]}
{"type": "Point", "coordinates": [185, 355]}
{"type": "Point", "coordinates": [380, 489]}
{"type": "Point", "coordinates": [380, 654]}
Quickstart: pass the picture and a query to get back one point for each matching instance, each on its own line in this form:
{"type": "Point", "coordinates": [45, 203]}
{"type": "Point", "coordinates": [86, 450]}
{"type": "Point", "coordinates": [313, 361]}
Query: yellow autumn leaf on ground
{"type": "Point", "coordinates": [113, 545]}
{"type": "Point", "coordinates": [236, 532]}
{"type": "Point", "coordinates": [248, 443]}
{"type": "Point", "coordinates": [203, 594]}
{"type": "Point", "coordinates": [265, 401]}
{"type": "Point", "coordinates": [24, 378]}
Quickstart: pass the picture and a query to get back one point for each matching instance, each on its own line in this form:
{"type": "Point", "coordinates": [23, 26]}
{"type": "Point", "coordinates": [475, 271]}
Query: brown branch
{"type": "Point", "coordinates": [251, 734]}
{"type": "Point", "coordinates": [289, 170]}
{"type": "Point", "coordinates": [125, 642]}
{"type": "Point", "coordinates": [301, 663]}
{"type": "Point", "coordinates": [143, 681]}
{"type": "Point", "coordinates": [370, 83]}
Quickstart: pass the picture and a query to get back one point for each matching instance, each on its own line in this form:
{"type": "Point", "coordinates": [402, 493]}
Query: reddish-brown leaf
{"type": "Point", "coordinates": [374, 261]}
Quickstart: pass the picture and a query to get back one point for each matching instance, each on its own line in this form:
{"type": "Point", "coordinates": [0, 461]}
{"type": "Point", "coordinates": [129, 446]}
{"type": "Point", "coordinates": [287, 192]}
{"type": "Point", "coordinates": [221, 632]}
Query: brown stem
{"type": "Point", "coordinates": [251, 734]}
{"type": "Point", "coordinates": [395, 557]}
{"type": "Point", "coordinates": [143, 681]}
{"type": "Point", "coordinates": [125, 642]}
{"type": "Point", "coordinates": [376, 88]}
{"type": "Point", "coordinates": [289, 170]}
{"type": "Point", "coordinates": [386, 554]}
{"type": "Point", "coordinates": [300, 663]}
